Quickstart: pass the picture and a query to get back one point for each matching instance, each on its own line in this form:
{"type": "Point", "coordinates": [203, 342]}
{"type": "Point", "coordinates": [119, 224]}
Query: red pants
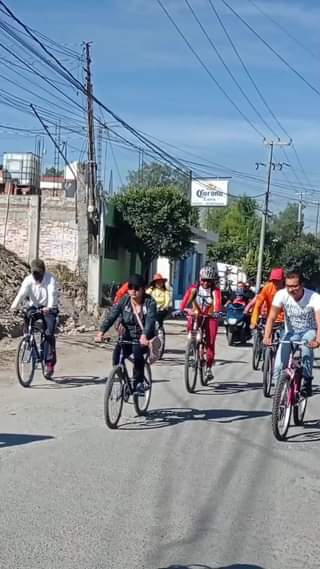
{"type": "Point", "coordinates": [211, 329]}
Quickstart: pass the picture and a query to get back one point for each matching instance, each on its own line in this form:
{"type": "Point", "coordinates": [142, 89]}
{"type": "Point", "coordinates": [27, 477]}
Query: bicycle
{"type": "Point", "coordinates": [257, 348]}
{"type": "Point", "coordinates": [30, 348]}
{"type": "Point", "coordinates": [160, 331]}
{"type": "Point", "coordinates": [196, 352]}
{"type": "Point", "coordinates": [120, 387]}
{"type": "Point", "coordinates": [269, 360]}
{"type": "Point", "coordinates": [288, 395]}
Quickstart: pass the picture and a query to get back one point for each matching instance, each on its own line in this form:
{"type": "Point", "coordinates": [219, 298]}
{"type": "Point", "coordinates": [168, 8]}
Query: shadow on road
{"type": "Point", "coordinates": [160, 418]}
{"type": "Point", "coordinates": [228, 388]}
{"type": "Point", "coordinates": [16, 439]}
{"type": "Point", "coordinates": [199, 566]}
{"type": "Point", "coordinates": [310, 433]}
{"type": "Point", "coordinates": [70, 381]}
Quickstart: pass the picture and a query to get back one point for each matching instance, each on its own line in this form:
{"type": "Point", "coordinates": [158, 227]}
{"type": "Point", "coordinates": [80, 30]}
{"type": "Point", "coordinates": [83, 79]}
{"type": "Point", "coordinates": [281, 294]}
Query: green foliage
{"type": "Point", "coordinates": [52, 171]}
{"type": "Point", "coordinates": [157, 175]}
{"type": "Point", "coordinates": [154, 222]}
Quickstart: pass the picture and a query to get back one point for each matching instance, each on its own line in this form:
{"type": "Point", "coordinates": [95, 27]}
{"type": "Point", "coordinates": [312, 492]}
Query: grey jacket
{"type": "Point", "coordinates": [123, 310]}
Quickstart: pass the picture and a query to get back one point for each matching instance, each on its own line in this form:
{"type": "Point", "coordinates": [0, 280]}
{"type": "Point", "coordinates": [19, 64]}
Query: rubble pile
{"type": "Point", "coordinates": [12, 273]}
{"type": "Point", "coordinates": [73, 316]}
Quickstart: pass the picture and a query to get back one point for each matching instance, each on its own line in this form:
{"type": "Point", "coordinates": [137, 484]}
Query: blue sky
{"type": "Point", "coordinates": [145, 73]}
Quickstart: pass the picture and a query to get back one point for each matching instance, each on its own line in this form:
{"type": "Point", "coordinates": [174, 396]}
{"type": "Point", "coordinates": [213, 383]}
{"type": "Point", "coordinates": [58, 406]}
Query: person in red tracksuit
{"type": "Point", "coordinates": [205, 298]}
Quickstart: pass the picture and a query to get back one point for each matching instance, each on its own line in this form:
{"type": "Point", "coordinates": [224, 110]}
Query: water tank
{"type": "Point", "coordinates": [23, 169]}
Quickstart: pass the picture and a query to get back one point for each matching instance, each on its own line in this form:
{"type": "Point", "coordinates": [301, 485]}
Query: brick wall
{"type": "Point", "coordinates": [59, 232]}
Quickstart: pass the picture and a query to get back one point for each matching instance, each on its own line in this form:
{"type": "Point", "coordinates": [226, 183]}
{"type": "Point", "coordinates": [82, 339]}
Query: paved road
{"type": "Point", "coordinates": [199, 484]}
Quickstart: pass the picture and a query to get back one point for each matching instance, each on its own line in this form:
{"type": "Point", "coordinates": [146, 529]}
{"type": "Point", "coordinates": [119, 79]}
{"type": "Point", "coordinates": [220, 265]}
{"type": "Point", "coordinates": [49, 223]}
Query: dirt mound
{"type": "Point", "coordinates": [73, 296]}
{"type": "Point", "coordinates": [12, 273]}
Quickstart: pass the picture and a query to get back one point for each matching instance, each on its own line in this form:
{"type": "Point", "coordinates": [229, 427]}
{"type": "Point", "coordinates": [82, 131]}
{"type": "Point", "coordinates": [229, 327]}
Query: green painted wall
{"type": "Point", "coordinates": [118, 270]}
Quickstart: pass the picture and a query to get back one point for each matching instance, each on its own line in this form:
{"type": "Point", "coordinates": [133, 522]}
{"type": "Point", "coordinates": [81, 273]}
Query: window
{"type": "Point", "coordinates": [111, 244]}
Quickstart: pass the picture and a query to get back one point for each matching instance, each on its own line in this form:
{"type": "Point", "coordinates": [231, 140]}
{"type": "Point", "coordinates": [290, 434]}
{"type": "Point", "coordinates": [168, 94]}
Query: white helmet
{"type": "Point", "coordinates": [208, 273]}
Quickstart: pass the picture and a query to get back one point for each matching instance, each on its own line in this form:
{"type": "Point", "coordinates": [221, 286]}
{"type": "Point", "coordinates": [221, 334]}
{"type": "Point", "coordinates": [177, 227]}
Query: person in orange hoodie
{"type": "Point", "coordinates": [121, 292]}
{"type": "Point", "coordinates": [266, 296]}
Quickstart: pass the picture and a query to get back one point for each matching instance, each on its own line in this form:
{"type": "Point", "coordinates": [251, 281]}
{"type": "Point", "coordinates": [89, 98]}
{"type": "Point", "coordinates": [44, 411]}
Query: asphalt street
{"type": "Point", "coordinates": [199, 484]}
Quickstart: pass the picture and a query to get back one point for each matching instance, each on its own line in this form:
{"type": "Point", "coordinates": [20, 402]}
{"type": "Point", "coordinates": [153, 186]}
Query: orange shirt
{"type": "Point", "coordinates": [266, 297]}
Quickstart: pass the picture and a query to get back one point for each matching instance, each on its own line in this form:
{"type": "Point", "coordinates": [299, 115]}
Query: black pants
{"type": "Point", "coordinates": [138, 352]}
{"type": "Point", "coordinates": [49, 322]}
{"type": "Point", "coordinates": [161, 315]}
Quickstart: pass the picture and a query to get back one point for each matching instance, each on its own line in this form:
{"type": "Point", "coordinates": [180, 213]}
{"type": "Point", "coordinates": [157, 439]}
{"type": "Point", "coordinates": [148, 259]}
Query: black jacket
{"type": "Point", "coordinates": [123, 310]}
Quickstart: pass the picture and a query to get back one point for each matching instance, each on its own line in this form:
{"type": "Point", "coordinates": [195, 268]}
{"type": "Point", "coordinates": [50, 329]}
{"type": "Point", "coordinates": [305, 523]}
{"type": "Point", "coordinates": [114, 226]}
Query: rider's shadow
{"type": "Point", "coordinates": [160, 418]}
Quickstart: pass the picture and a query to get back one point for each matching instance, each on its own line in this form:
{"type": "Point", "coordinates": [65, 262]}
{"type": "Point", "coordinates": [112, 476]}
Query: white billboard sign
{"type": "Point", "coordinates": [209, 192]}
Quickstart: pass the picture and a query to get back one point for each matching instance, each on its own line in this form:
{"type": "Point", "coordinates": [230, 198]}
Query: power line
{"type": "Point", "coordinates": [284, 30]}
{"type": "Point", "coordinates": [274, 51]}
{"type": "Point", "coordinates": [227, 68]}
{"type": "Point", "coordinates": [207, 70]}
{"type": "Point", "coordinates": [245, 68]}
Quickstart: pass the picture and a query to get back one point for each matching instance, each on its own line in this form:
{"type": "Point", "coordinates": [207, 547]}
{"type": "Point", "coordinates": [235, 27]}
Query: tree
{"type": "Point", "coordinates": [157, 175]}
{"type": "Point", "coordinates": [285, 224]}
{"type": "Point", "coordinates": [154, 222]}
{"type": "Point", "coordinates": [303, 253]}
{"type": "Point", "coordinates": [52, 171]}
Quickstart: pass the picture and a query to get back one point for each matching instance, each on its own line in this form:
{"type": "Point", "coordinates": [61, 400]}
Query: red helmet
{"type": "Point", "coordinates": [277, 274]}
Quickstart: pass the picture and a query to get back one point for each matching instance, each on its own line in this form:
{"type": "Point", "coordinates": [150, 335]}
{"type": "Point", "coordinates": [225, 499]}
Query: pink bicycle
{"type": "Point", "coordinates": [288, 397]}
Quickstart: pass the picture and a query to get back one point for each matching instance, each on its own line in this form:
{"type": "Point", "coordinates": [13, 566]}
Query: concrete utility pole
{"type": "Point", "coordinates": [92, 164]}
{"type": "Point", "coordinates": [317, 221]}
{"type": "Point", "coordinates": [271, 166]}
{"type": "Point", "coordinates": [94, 206]}
{"type": "Point", "coordinates": [300, 217]}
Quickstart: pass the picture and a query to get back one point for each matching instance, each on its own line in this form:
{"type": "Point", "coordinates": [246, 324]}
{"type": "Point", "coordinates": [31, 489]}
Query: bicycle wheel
{"type": "Point", "coordinates": [162, 336]}
{"type": "Point", "coordinates": [25, 362]}
{"type": "Point", "coordinates": [141, 404]}
{"type": "Point", "coordinates": [299, 408]}
{"type": "Point", "coordinates": [267, 371]}
{"type": "Point", "coordinates": [191, 365]}
{"type": "Point", "coordinates": [113, 397]}
{"type": "Point", "coordinates": [256, 351]}
{"type": "Point", "coordinates": [281, 409]}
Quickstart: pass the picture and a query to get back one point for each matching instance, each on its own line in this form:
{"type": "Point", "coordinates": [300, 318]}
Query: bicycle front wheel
{"type": "Point", "coordinates": [113, 397]}
{"type": "Point", "coordinates": [162, 336]}
{"type": "Point", "coordinates": [256, 352]}
{"type": "Point", "coordinates": [191, 366]}
{"type": "Point", "coordinates": [25, 362]}
{"type": "Point", "coordinates": [281, 409]}
{"type": "Point", "coordinates": [267, 372]}
{"type": "Point", "coordinates": [141, 404]}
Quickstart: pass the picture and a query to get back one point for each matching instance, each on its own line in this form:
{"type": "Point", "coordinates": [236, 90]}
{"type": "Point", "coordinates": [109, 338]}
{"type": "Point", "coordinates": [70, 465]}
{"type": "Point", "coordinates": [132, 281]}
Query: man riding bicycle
{"type": "Point", "coordinates": [263, 303]}
{"type": "Point", "coordinates": [138, 312]}
{"type": "Point", "coordinates": [301, 308]}
{"type": "Point", "coordinates": [40, 288]}
{"type": "Point", "coordinates": [205, 298]}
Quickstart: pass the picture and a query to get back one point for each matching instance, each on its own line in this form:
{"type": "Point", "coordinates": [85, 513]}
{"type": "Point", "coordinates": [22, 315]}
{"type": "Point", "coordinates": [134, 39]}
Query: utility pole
{"type": "Point", "coordinates": [92, 164]}
{"type": "Point", "coordinates": [300, 217]}
{"type": "Point", "coordinates": [271, 166]}
{"type": "Point", "coordinates": [317, 222]}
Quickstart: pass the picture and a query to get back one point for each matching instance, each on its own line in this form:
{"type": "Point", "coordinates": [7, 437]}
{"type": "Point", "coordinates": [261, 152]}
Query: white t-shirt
{"type": "Point", "coordinates": [204, 298]}
{"type": "Point", "coordinates": [299, 315]}
{"type": "Point", "coordinates": [44, 294]}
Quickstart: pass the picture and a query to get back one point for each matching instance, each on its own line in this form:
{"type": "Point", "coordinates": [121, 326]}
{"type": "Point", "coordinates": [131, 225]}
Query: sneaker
{"type": "Point", "coordinates": [306, 389]}
{"type": "Point", "coordinates": [209, 374]}
{"type": "Point", "coordinates": [139, 389]}
{"type": "Point", "coordinates": [49, 371]}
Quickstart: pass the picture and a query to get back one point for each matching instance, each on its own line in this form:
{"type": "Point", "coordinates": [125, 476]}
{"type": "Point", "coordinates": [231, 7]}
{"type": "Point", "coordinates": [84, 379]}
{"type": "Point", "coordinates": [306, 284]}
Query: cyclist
{"type": "Point", "coordinates": [161, 295]}
{"type": "Point", "coordinates": [205, 298]}
{"type": "Point", "coordinates": [301, 308]}
{"type": "Point", "coordinates": [133, 308]}
{"type": "Point", "coordinates": [263, 303]}
{"type": "Point", "coordinates": [41, 290]}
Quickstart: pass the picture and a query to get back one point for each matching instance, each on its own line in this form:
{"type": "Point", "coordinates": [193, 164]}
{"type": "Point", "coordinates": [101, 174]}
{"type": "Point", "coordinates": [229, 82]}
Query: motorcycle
{"type": "Point", "coordinates": [236, 325]}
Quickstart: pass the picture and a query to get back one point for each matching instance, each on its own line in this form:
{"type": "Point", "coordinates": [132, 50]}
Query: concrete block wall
{"type": "Point", "coordinates": [59, 232]}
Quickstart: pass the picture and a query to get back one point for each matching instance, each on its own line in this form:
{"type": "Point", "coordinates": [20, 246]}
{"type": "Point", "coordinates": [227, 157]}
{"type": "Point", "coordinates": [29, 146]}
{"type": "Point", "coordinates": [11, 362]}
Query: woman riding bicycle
{"type": "Point", "coordinates": [161, 295]}
{"type": "Point", "coordinates": [205, 298]}
{"type": "Point", "coordinates": [137, 312]}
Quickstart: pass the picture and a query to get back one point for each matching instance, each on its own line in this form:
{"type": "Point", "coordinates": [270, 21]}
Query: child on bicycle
{"type": "Point", "coordinates": [161, 295]}
{"type": "Point", "coordinates": [138, 312]}
{"type": "Point", "coordinates": [205, 298]}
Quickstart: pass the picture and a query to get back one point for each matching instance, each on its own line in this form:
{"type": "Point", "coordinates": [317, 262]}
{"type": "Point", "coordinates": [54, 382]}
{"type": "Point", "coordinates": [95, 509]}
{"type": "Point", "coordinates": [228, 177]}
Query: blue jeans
{"type": "Point", "coordinates": [283, 353]}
